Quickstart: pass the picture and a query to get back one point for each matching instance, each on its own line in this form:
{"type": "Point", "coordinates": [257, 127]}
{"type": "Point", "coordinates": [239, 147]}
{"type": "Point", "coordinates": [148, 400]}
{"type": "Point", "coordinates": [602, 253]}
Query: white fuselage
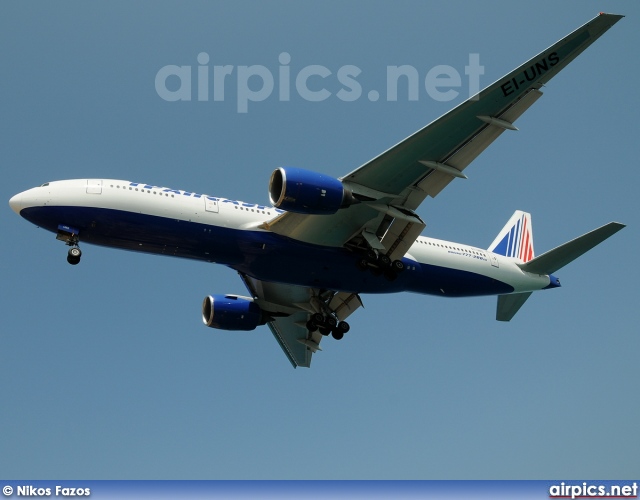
{"type": "Point", "coordinates": [160, 220]}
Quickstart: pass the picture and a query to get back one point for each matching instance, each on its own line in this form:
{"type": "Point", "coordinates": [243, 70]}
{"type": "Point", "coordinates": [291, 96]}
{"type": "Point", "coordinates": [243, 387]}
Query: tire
{"type": "Point", "coordinates": [337, 334]}
{"type": "Point", "coordinates": [397, 266]}
{"type": "Point", "coordinates": [343, 327]}
{"type": "Point", "coordinates": [385, 260]}
{"type": "Point", "coordinates": [75, 253]}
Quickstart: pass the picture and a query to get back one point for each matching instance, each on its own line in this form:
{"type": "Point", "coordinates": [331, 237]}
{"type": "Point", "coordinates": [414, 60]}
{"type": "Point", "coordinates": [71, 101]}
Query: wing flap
{"type": "Point", "coordinates": [436, 181]}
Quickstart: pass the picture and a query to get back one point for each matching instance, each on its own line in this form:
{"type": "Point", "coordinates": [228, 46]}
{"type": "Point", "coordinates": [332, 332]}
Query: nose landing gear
{"type": "Point", "coordinates": [69, 235]}
{"type": "Point", "coordinates": [73, 256]}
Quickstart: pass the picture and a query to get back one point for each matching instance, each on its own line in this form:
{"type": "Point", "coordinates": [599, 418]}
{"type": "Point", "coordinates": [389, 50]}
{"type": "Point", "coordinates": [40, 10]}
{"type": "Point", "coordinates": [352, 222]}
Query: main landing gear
{"type": "Point", "coordinates": [327, 324]}
{"type": "Point", "coordinates": [379, 264]}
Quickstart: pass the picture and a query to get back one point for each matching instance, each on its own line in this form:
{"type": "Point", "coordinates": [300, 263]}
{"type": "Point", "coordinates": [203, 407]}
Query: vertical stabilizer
{"type": "Point", "coordinates": [516, 238]}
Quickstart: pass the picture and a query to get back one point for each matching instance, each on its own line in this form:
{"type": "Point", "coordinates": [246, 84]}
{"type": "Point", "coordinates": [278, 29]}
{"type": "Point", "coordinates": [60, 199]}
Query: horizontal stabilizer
{"type": "Point", "coordinates": [509, 305]}
{"type": "Point", "coordinates": [549, 262]}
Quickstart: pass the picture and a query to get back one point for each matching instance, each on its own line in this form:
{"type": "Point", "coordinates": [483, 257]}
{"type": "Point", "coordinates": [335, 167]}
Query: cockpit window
{"type": "Point", "coordinates": [45, 184]}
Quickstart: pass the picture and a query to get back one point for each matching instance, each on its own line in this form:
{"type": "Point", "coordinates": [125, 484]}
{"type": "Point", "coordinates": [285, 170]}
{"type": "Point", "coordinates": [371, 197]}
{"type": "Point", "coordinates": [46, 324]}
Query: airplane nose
{"type": "Point", "coordinates": [16, 203]}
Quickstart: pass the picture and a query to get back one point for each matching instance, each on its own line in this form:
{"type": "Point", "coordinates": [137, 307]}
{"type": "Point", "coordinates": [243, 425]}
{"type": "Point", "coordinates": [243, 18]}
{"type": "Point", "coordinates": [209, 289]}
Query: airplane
{"type": "Point", "coordinates": [307, 258]}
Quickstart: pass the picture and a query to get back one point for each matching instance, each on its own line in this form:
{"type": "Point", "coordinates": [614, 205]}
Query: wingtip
{"type": "Point", "coordinates": [616, 16]}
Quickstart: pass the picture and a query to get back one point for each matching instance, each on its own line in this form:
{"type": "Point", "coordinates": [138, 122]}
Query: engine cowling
{"type": "Point", "coordinates": [305, 192]}
{"type": "Point", "coordinates": [231, 312]}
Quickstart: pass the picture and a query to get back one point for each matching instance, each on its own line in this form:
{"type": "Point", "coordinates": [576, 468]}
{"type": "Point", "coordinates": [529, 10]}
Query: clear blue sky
{"type": "Point", "coordinates": [107, 370]}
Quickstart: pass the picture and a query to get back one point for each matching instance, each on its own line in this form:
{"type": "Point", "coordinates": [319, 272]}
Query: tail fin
{"type": "Point", "coordinates": [516, 238]}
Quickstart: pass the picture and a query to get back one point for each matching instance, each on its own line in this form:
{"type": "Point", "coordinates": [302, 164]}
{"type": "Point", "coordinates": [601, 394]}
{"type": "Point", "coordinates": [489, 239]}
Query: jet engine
{"type": "Point", "coordinates": [306, 192]}
{"type": "Point", "coordinates": [231, 312]}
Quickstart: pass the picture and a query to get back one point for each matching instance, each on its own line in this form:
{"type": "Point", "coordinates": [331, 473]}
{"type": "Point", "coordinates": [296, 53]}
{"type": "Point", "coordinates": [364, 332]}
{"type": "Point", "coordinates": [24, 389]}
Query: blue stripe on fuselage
{"type": "Point", "coordinates": [261, 254]}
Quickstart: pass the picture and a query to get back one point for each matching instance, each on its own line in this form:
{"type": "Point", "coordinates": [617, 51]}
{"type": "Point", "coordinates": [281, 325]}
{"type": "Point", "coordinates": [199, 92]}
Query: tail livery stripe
{"type": "Point", "coordinates": [524, 250]}
{"type": "Point", "coordinates": [516, 238]}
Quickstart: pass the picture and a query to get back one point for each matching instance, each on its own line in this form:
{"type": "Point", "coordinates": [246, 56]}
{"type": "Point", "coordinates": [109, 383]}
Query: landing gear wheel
{"type": "Point", "coordinates": [343, 327]}
{"type": "Point", "coordinates": [340, 329]}
{"type": "Point", "coordinates": [73, 256]}
{"type": "Point", "coordinates": [325, 331]}
{"type": "Point", "coordinates": [363, 264]}
{"type": "Point", "coordinates": [317, 318]}
{"type": "Point", "coordinates": [385, 260]}
{"type": "Point", "coordinates": [397, 266]}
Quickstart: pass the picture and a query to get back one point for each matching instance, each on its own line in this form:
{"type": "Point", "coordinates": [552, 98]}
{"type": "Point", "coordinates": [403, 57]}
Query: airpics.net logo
{"type": "Point", "coordinates": [257, 83]}
{"type": "Point", "coordinates": [590, 490]}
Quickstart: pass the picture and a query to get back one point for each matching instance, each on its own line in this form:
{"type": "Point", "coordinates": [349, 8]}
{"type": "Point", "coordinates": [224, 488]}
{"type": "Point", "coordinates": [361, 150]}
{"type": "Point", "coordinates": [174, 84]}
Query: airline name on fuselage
{"type": "Point", "coordinates": [206, 196]}
{"type": "Point", "coordinates": [530, 74]}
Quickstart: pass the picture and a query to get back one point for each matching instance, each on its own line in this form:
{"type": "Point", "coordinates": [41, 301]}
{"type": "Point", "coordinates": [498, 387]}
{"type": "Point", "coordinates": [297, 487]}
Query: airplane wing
{"type": "Point", "coordinates": [392, 185]}
{"type": "Point", "coordinates": [291, 308]}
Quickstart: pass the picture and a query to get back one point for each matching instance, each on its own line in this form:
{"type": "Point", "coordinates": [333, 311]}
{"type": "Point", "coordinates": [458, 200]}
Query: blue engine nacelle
{"type": "Point", "coordinates": [306, 192]}
{"type": "Point", "coordinates": [231, 312]}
